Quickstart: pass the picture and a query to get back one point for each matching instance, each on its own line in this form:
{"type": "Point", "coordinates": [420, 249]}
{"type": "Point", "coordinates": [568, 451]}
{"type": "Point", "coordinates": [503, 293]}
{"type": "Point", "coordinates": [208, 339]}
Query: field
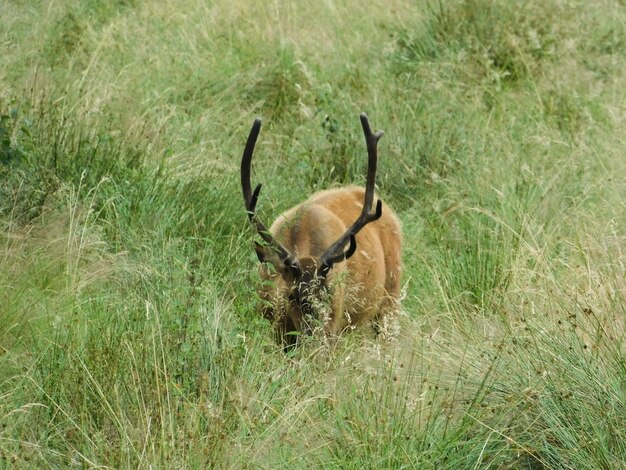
{"type": "Point", "coordinates": [130, 334]}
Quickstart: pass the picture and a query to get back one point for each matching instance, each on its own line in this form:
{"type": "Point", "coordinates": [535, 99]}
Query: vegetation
{"type": "Point", "coordinates": [129, 327]}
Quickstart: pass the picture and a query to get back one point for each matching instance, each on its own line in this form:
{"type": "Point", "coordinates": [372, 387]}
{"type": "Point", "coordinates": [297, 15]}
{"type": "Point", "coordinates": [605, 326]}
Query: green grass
{"type": "Point", "coordinates": [129, 328]}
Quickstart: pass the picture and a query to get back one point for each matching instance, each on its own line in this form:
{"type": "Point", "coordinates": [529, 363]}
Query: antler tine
{"type": "Point", "coordinates": [335, 252]}
{"type": "Point", "coordinates": [246, 161]}
{"type": "Point", "coordinates": [328, 260]}
{"type": "Point", "coordinates": [250, 197]}
{"type": "Point", "coordinates": [372, 160]}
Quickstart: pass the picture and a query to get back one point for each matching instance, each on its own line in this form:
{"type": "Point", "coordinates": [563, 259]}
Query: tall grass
{"type": "Point", "coordinates": [129, 327]}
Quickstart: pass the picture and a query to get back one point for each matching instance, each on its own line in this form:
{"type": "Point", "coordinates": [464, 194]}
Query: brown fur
{"type": "Point", "coordinates": [364, 288]}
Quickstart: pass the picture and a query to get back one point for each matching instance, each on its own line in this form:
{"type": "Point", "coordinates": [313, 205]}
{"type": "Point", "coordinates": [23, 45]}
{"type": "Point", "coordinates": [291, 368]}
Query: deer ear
{"type": "Point", "coordinates": [260, 252]}
{"type": "Point", "coordinates": [265, 254]}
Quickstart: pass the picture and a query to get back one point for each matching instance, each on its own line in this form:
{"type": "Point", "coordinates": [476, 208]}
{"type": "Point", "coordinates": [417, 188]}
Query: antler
{"type": "Point", "coordinates": [335, 253]}
{"type": "Point", "coordinates": [251, 198]}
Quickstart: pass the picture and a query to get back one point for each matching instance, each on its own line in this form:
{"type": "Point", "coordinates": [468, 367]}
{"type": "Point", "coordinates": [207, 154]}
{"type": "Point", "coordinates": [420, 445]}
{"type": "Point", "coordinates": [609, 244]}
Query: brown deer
{"type": "Point", "coordinates": [334, 261]}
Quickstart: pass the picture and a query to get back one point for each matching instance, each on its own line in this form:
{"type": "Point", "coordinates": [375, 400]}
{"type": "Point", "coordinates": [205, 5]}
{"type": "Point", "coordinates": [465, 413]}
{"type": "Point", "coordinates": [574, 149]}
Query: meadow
{"type": "Point", "coordinates": [130, 333]}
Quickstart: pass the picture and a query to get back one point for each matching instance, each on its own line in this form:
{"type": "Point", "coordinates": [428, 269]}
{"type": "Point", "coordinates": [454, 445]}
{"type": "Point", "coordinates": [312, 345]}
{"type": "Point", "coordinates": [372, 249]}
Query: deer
{"type": "Point", "coordinates": [330, 263]}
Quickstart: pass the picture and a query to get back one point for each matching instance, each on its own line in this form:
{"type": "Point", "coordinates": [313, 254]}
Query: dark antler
{"type": "Point", "coordinates": [251, 198]}
{"type": "Point", "coordinates": [335, 253]}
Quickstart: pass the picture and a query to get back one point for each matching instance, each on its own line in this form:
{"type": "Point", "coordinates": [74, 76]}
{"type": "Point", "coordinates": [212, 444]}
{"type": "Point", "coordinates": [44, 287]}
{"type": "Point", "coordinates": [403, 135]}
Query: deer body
{"type": "Point", "coordinates": [362, 288]}
{"type": "Point", "coordinates": [310, 276]}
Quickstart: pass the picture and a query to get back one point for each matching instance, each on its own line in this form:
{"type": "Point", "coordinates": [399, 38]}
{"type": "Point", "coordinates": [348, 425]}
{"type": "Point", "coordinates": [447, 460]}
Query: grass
{"type": "Point", "coordinates": [129, 328]}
